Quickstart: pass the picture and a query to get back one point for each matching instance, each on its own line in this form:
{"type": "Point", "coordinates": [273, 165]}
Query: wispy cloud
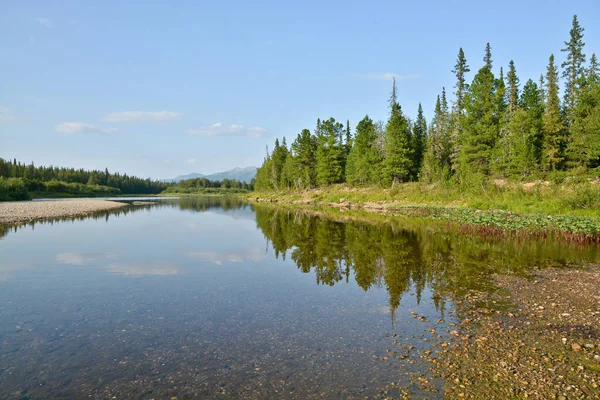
{"type": "Point", "coordinates": [6, 114]}
{"type": "Point", "coordinates": [218, 129]}
{"type": "Point", "coordinates": [80, 127]}
{"type": "Point", "coordinates": [142, 116]}
{"type": "Point", "coordinates": [46, 22]}
{"type": "Point", "coordinates": [387, 76]}
{"type": "Point", "coordinates": [191, 161]}
{"type": "Point", "coordinates": [84, 258]}
{"type": "Point", "coordinates": [219, 258]}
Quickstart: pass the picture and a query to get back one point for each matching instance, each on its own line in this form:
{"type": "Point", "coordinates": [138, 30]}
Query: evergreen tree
{"type": "Point", "coordinates": [364, 161]}
{"type": "Point", "coordinates": [481, 125]}
{"type": "Point", "coordinates": [437, 157]}
{"type": "Point", "coordinates": [304, 149]}
{"type": "Point", "coordinates": [397, 163]}
{"type": "Point", "coordinates": [554, 129]}
{"type": "Point", "coordinates": [330, 153]}
{"type": "Point", "coordinates": [573, 67]}
{"type": "Point", "coordinates": [513, 87]}
{"type": "Point", "coordinates": [419, 141]}
{"type": "Point", "coordinates": [522, 147]}
{"type": "Point", "coordinates": [593, 72]}
{"type": "Point", "coordinates": [487, 59]}
{"type": "Point", "coordinates": [460, 69]}
{"type": "Point", "coordinates": [584, 145]}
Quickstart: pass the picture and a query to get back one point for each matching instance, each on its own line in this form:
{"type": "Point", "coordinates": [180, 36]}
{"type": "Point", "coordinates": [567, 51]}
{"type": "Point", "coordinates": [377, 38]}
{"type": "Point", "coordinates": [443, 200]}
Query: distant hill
{"type": "Point", "coordinates": [240, 174]}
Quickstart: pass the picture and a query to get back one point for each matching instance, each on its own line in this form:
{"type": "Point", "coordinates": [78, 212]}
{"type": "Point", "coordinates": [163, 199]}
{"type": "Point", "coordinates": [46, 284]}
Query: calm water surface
{"type": "Point", "coordinates": [215, 298]}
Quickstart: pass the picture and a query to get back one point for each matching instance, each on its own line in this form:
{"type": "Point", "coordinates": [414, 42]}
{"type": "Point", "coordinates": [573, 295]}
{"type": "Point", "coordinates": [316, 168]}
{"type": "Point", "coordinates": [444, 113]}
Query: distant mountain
{"type": "Point", "coordinates": [240, 174]}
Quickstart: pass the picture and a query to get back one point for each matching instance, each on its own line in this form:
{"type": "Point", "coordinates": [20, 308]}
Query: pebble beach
{"type": "Point", "coordinates": [23, 211]}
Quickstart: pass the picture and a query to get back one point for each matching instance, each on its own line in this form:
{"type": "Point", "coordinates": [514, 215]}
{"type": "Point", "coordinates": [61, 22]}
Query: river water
{"type": "Point", "coordinates": [216, 298]}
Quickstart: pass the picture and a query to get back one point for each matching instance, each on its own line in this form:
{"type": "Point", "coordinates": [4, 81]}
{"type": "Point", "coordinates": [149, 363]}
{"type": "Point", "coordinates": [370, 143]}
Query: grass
{"type": "Point", "coordinates": [578, 199]}
{"type": "Point", "coordinates": [567, 210]}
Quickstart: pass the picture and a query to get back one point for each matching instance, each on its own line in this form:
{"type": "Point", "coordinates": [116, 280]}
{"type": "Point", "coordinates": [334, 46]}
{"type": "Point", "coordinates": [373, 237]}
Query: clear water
{"type": "Point", "coordinates": [215, 298]}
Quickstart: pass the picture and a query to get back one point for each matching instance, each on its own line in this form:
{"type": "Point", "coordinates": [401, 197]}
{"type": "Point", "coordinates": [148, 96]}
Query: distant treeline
{"type": "Point", "coordinates": [493, 128]}
{"type": "Point", "coordinates": [19, 181]}
{"type": "Point", "coordinates": [203, 185]}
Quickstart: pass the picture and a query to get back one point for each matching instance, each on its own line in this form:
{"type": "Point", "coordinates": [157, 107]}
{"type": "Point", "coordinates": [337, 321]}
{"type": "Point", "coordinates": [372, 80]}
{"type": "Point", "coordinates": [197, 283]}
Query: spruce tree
{"type": "Point", "coordinates": [330, 153]}
{"type": "Point", "coordinates": [487, 59]}
{"type": "Point", "coordinates": [593, 72]}
{"type": "Point", "coordinates": [481, 125]}
{"type": "Point", "coordinates": [460, 69]}
{"type": "Point", "coordinates": [364, 161]}
{"type": "Point", "coordinates": [573, 67]}
{"type": "Point", "coordinates": [397, 163]}
{"type": "Point", "coordinates": [513, 87]}
{"type": "Point", "coordinates": [304, 148]}
{"type": "Point", "coordinates": [419, 141]}
{"type": "Point", "coordinates": [554, 129]}
{"type": "Point", "coordinates": [583, 149]}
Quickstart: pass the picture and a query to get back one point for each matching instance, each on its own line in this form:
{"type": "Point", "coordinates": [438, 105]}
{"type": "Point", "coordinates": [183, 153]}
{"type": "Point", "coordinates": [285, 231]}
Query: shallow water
{"type": "Point", "coordinates": [216, 298]}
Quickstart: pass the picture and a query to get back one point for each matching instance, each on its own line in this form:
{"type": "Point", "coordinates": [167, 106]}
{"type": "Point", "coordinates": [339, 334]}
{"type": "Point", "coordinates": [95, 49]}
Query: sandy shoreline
{"type": "Point", "coordinates": [23, 211]}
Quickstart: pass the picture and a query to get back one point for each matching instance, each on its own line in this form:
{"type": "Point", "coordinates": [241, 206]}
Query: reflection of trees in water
{"type": "Point", "coordinates": [401, 259]}
{"type": "Point", "coordinates": [199, 204]}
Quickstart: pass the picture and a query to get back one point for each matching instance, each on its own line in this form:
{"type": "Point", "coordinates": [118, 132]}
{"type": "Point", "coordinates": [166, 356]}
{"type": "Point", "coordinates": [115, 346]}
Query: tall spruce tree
{"type": "Point", "coordinates": [573, 67]}
{"type": "Point", "coordinates": [330, 153]}
{"type": "Point", "coordinates": [397, 163]}
{"type": "Point", "coordinates": [583, 149]}
{"type": "Point", "coordinates": [419, 141]}
{"type": "Point", "coordinates": [554, 129]}
{"type": "Point", "coordinates": [481, 125]}
{"type": "Point", "coordinates": [305, 148]}
{"type": "Point", "coordinates": [364, 161]}
{"type": "Point", "coordinates": [487, 58]}
{"type": "Point", "coordinates": [593, 72]}
{"type": "Point", "coordinates": [460, 69]}
{"type": "Point", "coordinates": [513, 87]}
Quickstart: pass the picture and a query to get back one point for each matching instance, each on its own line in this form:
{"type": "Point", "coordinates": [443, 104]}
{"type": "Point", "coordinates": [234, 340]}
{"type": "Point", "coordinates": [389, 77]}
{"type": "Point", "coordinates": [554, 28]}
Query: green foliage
{"type": "Point", "coordinates": [554, 128]}
{"type": "Point", "coordinates": [13, 189]}
{"type": "Point", "coordinates": [573, 67]}
{"type": "Point", "coordinates": [397, 161]}
{"type": "Point", "coordinates": [495, 129]}
{"type": "Point", "coordinates": [481, 126]}
{"type": "Point", "coordinates": [330, 153]}
{"type": "Point", "coordinates": [584, 145]}
{"type": "Point", "coordinates": [204, 186]}
{"type": "Point", "coordinates": [51, 181]}
{"type": "Point", "coordinates": [364, 159]}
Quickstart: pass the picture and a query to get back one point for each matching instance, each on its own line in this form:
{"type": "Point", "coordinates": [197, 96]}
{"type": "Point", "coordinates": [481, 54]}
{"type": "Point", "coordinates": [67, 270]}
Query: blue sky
{"type": "Point", "coordinates": [158, 88]}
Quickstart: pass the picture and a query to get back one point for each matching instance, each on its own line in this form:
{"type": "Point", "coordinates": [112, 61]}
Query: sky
{"type": "Point", "coordinates": [158, 89]}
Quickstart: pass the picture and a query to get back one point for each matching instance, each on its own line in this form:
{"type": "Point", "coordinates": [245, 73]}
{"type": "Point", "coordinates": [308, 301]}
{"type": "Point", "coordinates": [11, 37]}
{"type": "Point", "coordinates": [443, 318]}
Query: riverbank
{"type": "Point", "coordinates": [545, 346]}
{"type": "Point", "coordinates": [25, 211]}
{"type": "Point", "coordinates": [570, 212]}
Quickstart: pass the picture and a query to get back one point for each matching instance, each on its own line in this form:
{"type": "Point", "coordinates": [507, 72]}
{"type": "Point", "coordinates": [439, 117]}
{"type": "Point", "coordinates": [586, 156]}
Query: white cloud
{"type": "Point", "coordinates": [142, 116]}
{"type": "Point", "coordinates": [218, 129]}
{"type": "Point", "coordinates": [46, 22]}
{"type": "Point", "coordinates": [387, 76]}
{"type": "Point", "coordinates": [83, 258]}
{"type": "Point", "coordinates": [191, 161]}
{"type": "Point", "coordinates": [80, 127]}
{"type": "Point", "coordinates": [6, 114]}
{"type": "Point", "coordinates": [143, 269]}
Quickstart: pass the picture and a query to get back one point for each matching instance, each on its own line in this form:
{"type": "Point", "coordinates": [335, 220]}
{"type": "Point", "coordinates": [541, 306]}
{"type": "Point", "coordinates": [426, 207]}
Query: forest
{"type": "Point", "coordinates": [493, 128]}
{"type": "Point", "coordinates": [206, 186]}
{"type": "Point", "coordinates": [19, 181]}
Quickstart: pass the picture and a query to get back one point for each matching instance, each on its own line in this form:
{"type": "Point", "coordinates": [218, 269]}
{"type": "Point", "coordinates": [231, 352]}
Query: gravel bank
{"type": "Point", "coordinates": [24, 211]}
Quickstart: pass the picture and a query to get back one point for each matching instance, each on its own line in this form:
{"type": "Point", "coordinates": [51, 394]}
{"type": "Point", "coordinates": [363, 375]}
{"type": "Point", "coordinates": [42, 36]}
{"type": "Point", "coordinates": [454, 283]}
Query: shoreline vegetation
{"type": "Point", "coordinates": [499, 157]}
{"type": "Point", "coordinates": [566, 212]}
{"type": "Point", "coordinates": [19, 181]}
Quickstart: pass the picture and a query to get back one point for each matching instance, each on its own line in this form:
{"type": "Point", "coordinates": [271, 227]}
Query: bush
{"type": "Point", "coordinates": [13, 189]}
